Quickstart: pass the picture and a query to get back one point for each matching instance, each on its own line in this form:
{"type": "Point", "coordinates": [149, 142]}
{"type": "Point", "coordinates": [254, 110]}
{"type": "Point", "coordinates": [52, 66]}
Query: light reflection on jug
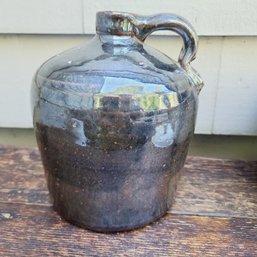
{"type": "Point", "coordinates": [164, 135]}
{"type": "Point", "coordinates": [77, 130]}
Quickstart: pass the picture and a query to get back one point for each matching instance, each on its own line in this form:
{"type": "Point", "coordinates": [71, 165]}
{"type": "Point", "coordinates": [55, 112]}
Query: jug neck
{"type": "Point", "coordinates": [114, 23]}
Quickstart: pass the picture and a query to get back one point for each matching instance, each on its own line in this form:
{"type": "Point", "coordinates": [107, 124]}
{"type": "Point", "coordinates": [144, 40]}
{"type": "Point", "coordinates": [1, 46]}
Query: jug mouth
{"type": "Point", "coordinates": [115, 23]}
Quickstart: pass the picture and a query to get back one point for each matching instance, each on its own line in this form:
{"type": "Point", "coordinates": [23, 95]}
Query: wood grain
{"type": "Point", "coordinates": [215, 214]}
{"type": "Point", "coordinates": [22, 176]}
{"type": "Point", "coordinates": [39, 231]}
{"type": "Point", "coordinates": [217, 188]}
{"type": "Point", "coordinates": [207, 186]}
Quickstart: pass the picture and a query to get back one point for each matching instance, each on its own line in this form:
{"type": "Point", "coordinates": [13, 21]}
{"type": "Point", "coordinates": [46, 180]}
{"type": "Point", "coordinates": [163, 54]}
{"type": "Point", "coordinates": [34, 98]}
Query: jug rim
{"type": "Point", "coordinates": [115, 23]}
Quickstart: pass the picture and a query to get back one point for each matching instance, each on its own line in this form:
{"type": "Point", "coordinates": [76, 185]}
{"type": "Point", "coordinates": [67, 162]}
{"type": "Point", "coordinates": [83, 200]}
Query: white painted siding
{"type": "Point", "coordinates": [236, 103]}
{"type": "Point", "coordinates": [41, 16]}
{"type": "Point", "coordinates": [20, 57]}
{"type": "Point", "coordinates": [228, 102]}
{"type": "Point", "coordinates": [209, 17]}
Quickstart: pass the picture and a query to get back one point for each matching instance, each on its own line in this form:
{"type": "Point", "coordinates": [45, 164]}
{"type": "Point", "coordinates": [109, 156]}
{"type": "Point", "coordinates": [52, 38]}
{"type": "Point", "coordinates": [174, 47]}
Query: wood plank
{"type": "Point", "coordinates": [217, 188]}
{"type": "Point", "coordinates": [22, 177]}
{"type": "Point", "coordinates": [207, 186]}
{"type": "Point", "coordinates": [37, 230]}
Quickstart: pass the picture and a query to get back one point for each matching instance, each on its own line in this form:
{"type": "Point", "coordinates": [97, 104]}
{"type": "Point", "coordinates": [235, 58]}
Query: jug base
{"type": "Point", "coordinates": [145, 218]}
{"type": "Point", "coordinates": [109, 230]}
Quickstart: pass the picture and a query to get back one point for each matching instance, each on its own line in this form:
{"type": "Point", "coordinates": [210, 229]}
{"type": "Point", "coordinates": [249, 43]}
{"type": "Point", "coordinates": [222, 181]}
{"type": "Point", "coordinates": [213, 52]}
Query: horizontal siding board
{"type": "Point", "coordinates": [236, 105]}
{"type": "Point", "coordinates": [210, 17]}
{"type": "Point", "coordinates": [207, 63]}
{"type": "Point", "coordinates": [227, 65]}
{"type": "Point", "coordinates": [209, 49]}
{"type": "Point", "coordinates": [22, 55]}
{"type": "Point", "coordinates": [20, 58]}
{"type": "Point", "coordinates": [41, 17]}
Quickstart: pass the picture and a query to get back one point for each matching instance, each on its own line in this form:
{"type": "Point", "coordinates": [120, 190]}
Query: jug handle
{"type": "Point", "coordinates": [145, 25]}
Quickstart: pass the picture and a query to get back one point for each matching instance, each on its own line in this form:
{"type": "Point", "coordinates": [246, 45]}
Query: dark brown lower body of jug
{"type": "Point", "coordinates": [109, 191]}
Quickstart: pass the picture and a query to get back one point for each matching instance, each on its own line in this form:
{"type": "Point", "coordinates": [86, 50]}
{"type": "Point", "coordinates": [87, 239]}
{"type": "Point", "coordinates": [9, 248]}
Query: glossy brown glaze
{"type": "Point", "coordinates": [113, 122]}
{"type": "Point", "coordinates": [119, 180]}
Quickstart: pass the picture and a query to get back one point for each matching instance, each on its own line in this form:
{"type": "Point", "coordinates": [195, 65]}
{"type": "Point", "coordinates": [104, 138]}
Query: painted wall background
{"type": "Point", "coordinates": [32, 31]}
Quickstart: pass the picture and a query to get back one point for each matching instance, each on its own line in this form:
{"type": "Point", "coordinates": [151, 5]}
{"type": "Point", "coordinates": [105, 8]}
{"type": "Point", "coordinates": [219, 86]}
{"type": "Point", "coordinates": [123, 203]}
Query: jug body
{"type": "Point", "coordinates": [113, 121]}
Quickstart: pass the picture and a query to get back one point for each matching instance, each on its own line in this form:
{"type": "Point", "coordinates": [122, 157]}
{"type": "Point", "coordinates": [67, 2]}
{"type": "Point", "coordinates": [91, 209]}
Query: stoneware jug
{"type": "Point", "coordinates": [113, 120]}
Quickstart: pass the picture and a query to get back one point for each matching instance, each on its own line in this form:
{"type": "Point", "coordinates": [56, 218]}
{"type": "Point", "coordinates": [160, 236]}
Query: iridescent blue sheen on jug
{"type": "Point", "coordinates": [113, 120]}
